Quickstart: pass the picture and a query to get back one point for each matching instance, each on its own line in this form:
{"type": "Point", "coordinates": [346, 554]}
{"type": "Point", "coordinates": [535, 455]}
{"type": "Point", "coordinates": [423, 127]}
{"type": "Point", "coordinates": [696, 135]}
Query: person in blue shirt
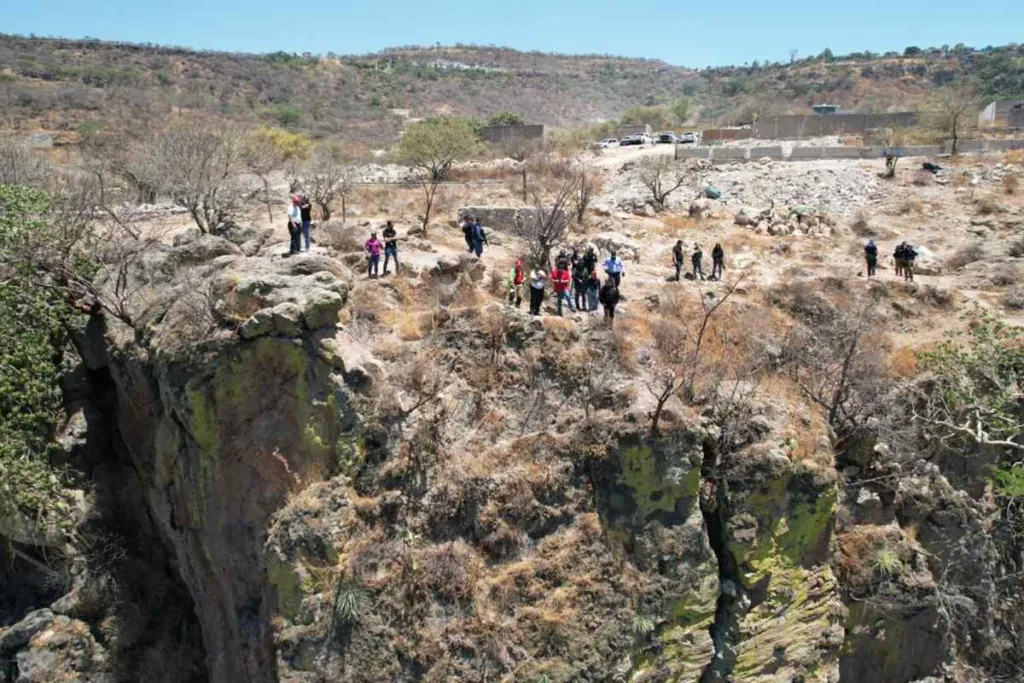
{"type": "Point", "coordinates": [615, 268]}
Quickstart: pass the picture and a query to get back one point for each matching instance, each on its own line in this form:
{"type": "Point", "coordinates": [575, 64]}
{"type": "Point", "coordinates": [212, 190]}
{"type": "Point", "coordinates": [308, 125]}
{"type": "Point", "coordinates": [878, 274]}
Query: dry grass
{"type": "Point", "coordinates": [988, 206]}
{"type": "Point", "coordinates": [860, 545]}
{"type": "Point", "coordinates": [1011, 183]}
{"type": "Point", "coordinates": [908, 206]}
{"type": "Point", "coordinates": [922, 178]}
{"type": "Point", "coordinates": [903, 362]}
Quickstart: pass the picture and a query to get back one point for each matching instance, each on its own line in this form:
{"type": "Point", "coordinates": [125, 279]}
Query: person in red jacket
{"type": "Point", "coordinates": [515, 284]}
{"type": "Point", "coordinates": [561, 278]}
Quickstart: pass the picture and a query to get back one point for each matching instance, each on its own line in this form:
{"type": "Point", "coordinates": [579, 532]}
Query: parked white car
{"type": "Point", "coordinates": [608, 142]}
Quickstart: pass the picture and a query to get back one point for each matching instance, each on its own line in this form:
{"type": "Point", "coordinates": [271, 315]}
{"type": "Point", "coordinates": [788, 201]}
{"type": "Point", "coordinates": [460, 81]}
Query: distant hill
{"type": "Point", "coordinates": [58, 84]}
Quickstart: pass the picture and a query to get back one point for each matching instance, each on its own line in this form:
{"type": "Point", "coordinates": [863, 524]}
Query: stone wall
{"type": "Point", "coordinates": [799, 126]}
{"type": "Point", "coordinates": [729, 155]}
{"type": "Point", "coordinates": [499, 135]}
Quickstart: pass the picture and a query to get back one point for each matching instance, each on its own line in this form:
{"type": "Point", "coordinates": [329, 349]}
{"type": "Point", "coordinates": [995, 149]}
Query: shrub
{"type": "Point", "coordinates": [1017, 249]}
{"type": "Point", "coordinates": [886, 563]}
{"type": "Point", "coordinates": [1005, 274]}
{"type": "Point", "coordinates": [922, 178]}
{"type": "Point", "coordinates": [965, 255]}
{"type": "Point", "coordinates": [1011, 183]}
{"type": "Point", "coordinates": [1014, 298]}
{"type": "Point", "coordinates": [988, 206]}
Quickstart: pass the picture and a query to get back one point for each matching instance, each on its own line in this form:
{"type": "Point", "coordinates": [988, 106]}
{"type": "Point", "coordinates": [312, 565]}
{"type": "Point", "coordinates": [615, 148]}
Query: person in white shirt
{"type": "Point", "coordinates": [538, 280]}
{"type": "Point", "coordinates": [615, 268]}
{"type": "Point", "coordinates": [295, 225]}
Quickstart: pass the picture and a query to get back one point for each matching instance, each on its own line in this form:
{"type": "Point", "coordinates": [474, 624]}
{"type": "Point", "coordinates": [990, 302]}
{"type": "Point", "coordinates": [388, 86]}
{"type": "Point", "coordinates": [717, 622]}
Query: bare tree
{"type": "Point", "coordinates": [680, 347]}
{"type": "Point", "coordinates": [200, 162]}
{"type": "Point", "coordinates": [329, 176]}
{"type": "Point", "coordinates": [792, 55]}
{"type": "Point", "coordinates": [587, 188]}
{"type": "Point", "coordinates": [552, 200]}
{"type": "Point", "coordinates": [952, 110]}
{"type": "Point", "coordinates": [662, 176]}
{"type": "Point", "coordinates": [838, 364]}
{"type": "Point", "coordinates": [19, 165]}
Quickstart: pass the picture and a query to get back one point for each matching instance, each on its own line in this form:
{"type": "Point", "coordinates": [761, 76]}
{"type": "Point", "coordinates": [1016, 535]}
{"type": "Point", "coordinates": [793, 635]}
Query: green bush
{"type": "Point", "coordinates": [33, 323]}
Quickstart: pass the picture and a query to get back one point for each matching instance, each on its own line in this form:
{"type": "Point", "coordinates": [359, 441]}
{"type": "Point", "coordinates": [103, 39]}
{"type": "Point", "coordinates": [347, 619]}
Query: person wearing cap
{"type": "Point", "coordinates": [871, 256]}
{"type": "Point", "coordinates": [295, 224]}
{"type": "Point", "coordinates": [373, 247]}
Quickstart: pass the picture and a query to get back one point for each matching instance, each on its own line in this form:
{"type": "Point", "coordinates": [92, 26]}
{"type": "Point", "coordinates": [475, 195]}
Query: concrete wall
{"type": "Point", "coordinates": [730, 154]}
{"type": "Point", "coordinates": [1017, 118]}
{"type": "Point", "coordinates": [799, 126]}
{"type": "Point", "coordinates": [922, 150]}
{"type": "Point", "coordinates": [720, 134]}
{"type": "Point", "coordinates": [624, 131]}
{"type": "Point", "coordinates": [515, 221]}
{"type": "Point", "coordinates": [762, 152]}
{"type": "Point", "coordinates": [799, 153]}
{"type": "Point", "coordinates": [517, 133]}
{"type": "Point", "coordinates": [999, 113]}
{"type": "Point", "coordinates": [842, 152]}
{"type": "Point", "coordinates": [691, 152]}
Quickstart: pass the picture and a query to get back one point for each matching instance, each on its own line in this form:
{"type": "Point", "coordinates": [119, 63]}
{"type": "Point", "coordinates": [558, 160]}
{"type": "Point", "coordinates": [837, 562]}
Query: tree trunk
{"type": "Point", "coordinates": [266, 198]}
{"type": "Point", "coordinates": [524, 182]}
{"type": "Point", "coordinates": [429, 189]}
{"type": "Point", "coordinates": [344, 209]}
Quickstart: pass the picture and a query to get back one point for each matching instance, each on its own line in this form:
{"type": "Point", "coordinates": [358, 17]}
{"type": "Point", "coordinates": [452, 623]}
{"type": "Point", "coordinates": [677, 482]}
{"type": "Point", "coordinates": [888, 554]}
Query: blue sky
{"type": "Point", "coordinates": [684, 33]}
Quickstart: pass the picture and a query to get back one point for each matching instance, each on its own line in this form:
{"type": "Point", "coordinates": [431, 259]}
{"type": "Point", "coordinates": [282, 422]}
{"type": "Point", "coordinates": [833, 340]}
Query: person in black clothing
{"type": "Point", "coordinates": [467, 232]}
{"type": "Point", "coordinates": [390, 246]}
{"type": "Point", "coordinates": [871, 256]}
{"type": "Point", "coordinates": [590, 259]}
{"type": "Point", "coordinates": [579, 283]}
{"type": "Point", "coordinates": [609, 298]}
{"type": "Point", "coordinates": [677, 259]}
{"type": "Point", "coordinates": [696, 258]}
{"type": "Point", "coordinates": [306, 213]}
{"type": "Point", "coordinates": [717, 261]}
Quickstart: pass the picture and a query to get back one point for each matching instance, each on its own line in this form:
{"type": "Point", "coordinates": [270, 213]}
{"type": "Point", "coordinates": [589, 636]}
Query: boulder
{"type": "Point", "coordinates": [18, 635]}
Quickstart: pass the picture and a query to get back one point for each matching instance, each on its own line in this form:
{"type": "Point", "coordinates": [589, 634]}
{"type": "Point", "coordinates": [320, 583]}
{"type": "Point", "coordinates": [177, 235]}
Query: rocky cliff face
{"type": "Point", "coordinates": [456, 512]}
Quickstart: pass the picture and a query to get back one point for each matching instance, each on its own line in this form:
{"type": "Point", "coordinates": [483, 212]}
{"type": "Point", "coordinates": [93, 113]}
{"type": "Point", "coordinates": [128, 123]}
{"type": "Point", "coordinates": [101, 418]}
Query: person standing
{"type": "Point", "coordinates": [515, 289]}
{"type": "Point", "coordinates": [561, 279]}
{"type": "Point", "coordinates": [677, 259]}
{"type": "Point", "coordinates": [871, 256]}
{"type": "Point", "coordinates": [609, 298]}
{"type": "Point", "coordinates": [615, 268]}
{"type": "Point", "coordinates": [479, 238]}
{"type": "Point", "coordinates": [717, 261]}
{"type": "Point", "coordinates": [909, 256]}
{"type": "Point", "coordinates": [593, 289]}
{"type": "Point", "coordinates": [579, 285]}
{"type": "Point", "coordinates": [373, 247]}
{"type": "Point", "coordinates": [390, 246]}
{"type": "Point", "coordinates": [306, 214]}
{"type": "Point", "coordinates": [538, 280]}
{"type": "Point", "coordinates": [467, 232]}
{"type": "Point", "coordinates": [696, 258]}
{"type": "Point", "coordinates": [897, 258]}
{"type": "Point", "coordinates": [295, 225]}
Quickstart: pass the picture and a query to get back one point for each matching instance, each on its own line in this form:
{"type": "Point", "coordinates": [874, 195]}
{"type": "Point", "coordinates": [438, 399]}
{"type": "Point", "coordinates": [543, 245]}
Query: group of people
{"type": "Point", "coordinates": [374, 247]}
{"type": "Point", "coordinates": [697, 260]}
{"type": "Point", "coordinates": [903, 257]}
{"type": "Point", "coordinates": [299, 222]}
{"type": "Point", "coordinates": [575, 283]}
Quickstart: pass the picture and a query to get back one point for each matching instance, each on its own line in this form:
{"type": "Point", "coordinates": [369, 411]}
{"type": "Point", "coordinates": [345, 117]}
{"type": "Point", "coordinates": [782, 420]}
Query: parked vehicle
{"type": "Point", "coordinates": [608, 142]}
{"type": "Point", "coordinates": [666, 139]}
{"type": "Point", "coordinates": [631, 140]}
{"type": "Point", "coordinates": [688, 139]}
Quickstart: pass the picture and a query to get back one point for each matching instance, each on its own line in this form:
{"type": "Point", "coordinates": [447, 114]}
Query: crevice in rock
{"type": "Point", "coordinates": [714, 505]}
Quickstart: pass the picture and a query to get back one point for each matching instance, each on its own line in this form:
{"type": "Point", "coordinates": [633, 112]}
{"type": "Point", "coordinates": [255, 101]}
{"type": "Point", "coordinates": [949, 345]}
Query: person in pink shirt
{"type": "Point", "coordinates": [373, 248]}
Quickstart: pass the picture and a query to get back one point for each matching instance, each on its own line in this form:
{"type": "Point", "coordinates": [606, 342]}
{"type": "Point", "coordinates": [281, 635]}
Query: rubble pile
{"type": "Point", "coordinates": [787, 220]}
